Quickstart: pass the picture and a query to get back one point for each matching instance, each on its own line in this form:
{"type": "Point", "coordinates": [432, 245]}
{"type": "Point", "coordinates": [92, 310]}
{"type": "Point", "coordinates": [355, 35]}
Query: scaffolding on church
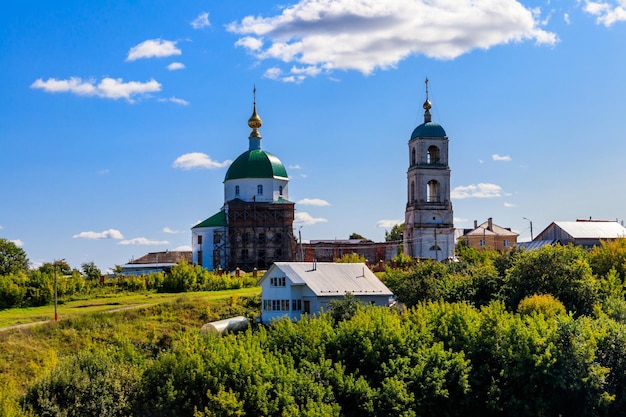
{"type": "Point", "coordinates": [259, 234]}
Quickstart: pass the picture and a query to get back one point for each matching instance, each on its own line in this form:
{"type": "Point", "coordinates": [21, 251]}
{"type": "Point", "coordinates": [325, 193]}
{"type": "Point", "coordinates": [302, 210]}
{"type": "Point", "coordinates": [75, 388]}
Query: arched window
{"type": "Point", "coordinates": [413, 156]}
{"type": "Point", "coordinates": [236, 190]}
{"type": "Point", "coordinates": [433, 191]}
{"type": "Point", "coordinates": [280, 190]}
{"type": "Point", "coordinates": [433, 155]}
{"type": "Point", "coordinates": [259, 189]}
{"type": "Point", "coordinates": [412, 197]}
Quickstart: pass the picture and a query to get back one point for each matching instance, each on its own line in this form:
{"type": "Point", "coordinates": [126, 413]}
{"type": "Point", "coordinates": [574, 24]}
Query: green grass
{"type": "Point", "coordinates": [27, 353]}
{"type": "Point", "coordinates": [110, 302]}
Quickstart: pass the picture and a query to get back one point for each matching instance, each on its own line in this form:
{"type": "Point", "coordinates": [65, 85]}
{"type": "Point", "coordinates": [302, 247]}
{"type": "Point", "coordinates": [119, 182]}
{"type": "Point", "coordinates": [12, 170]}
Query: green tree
{"type": "Point", "coordinates": [12, 258]}
{"type": "Point", "coordinates": [395, 234]}
{"type": "Point", "coordinates": [91, 271]}
{"type": "Point", "coordinates": [62, 268]}
{"type": "Point", "coordinates": [356, 236]}
{"type": "Point", "coordinates": [562, 271]}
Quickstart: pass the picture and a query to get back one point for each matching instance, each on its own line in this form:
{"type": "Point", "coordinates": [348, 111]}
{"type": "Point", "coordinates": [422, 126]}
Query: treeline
{"type": "Point", "coordinates": [31, 288]}
{"type": "Point", "coordinates": [521, 333]}
{"type": "Point", "coordinates": [436, 359]}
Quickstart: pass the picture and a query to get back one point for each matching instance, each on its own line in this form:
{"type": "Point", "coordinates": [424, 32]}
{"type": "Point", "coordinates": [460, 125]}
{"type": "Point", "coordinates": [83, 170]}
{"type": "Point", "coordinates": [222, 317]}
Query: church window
{"type": "Point", "coordinates": [259, 189]}
{"type": "Point", "coordinates": [433, 155]}
{"type": "Point", "coordinates": [280, 190]}
{"type": "Point", "coordinates": [236, 190]}
{"type": "Point", "coordinates": [433, 191]}
{"type": "Point", "coordinates": [413, 156]}
{"type": "Point", "coordinates": [412, 192]}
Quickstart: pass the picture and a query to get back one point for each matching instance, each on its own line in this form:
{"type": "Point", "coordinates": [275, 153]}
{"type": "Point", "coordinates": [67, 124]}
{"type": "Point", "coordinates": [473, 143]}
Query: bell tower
{"type": "Point", "coordinates": [429, 227]}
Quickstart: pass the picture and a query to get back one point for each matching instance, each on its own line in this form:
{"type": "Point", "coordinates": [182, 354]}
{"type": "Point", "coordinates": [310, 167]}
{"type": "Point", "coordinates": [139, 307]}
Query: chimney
{"type": "Point", "coordinates": [490, 224]}
{"type": "Point", "coordinates": [475, 224]}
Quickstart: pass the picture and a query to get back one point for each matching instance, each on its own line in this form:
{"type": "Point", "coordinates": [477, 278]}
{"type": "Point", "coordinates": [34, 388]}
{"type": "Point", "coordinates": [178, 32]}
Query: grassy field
{"type": "Point", "coordinates": [148, 322]}
{"type": "Point", "coordinates": [108, 303]}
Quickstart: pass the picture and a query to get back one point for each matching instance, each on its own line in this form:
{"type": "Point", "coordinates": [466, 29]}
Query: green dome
{"type": "Point", "coordinates": [429, 130]}
{"type": "Point", "coordinates": [256, 164]}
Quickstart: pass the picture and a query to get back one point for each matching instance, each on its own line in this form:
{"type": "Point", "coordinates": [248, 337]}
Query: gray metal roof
{"type": "Point", "coordinates": [593, 229]}
{"type": "Point", "coordinates": [329, 278]}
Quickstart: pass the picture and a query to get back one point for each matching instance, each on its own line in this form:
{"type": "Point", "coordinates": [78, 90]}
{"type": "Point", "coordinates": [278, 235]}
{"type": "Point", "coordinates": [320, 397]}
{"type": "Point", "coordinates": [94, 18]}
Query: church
{"type": "Point", "coordinates": [428, 225]}
{"type": "Point", "coordinates": [254, 227]}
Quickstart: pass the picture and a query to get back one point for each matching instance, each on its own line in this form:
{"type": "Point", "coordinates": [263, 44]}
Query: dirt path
{"type": "Point", "coordinates": [38, 323]}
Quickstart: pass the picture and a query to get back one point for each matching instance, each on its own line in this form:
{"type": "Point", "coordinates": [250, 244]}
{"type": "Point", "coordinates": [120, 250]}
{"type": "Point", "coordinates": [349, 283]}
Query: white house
{"type": "Point", "coordinates": [292, 288]}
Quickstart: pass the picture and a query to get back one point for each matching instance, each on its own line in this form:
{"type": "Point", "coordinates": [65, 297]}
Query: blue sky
{"type": "Point", "coordinates": [119, 119]}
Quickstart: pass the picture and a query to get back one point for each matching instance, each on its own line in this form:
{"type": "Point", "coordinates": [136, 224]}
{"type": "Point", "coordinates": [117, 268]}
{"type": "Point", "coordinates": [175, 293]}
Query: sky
{"type": "Point", "coordinates": [119, 119]}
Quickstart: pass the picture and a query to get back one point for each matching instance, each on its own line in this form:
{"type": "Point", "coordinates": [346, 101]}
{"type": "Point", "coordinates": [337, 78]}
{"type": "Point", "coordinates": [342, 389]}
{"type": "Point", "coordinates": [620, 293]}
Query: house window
{"type": "Point", "coordinates": [482, 243]}
{"type": "Point", "coordinates": [433, 191]}
{"type": "Point", "coordinates": [296, 305]}
{"type": "Point", "coordinates": [259, 189]}
{"type": "Point", "coordinates": [200, 257]}
{"type": "Point", "coordinates": [433, 155]}
{"type": "Point", "coordinates": [280, 190]}
{"type": "Point", "coordinates": [505, 243]}
{"type": "Point", "coordinates": [277, 282]}
{"type": "Point", "coordinates": [199, 239]}
{"type": "Point", "coordinates": [435, 247]}
{"type": "Point", "coordinates": [261, 237]}
{"type": "Point", "coordinates": [276, 305]}
{"type": "Point", "coordinates": [236, 190]}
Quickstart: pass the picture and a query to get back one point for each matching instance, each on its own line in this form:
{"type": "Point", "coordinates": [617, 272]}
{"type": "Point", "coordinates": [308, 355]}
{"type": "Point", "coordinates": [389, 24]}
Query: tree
{"type": "Point", "coordinates": [356, 236]}
{"type": "Point", "coordinates": [91, 271]}
{"type": "Point", "coordinates": [396, 233]}
{"type": "Point", "coordinates": [12, 258]}
{"type": "Point", "coordinates": [62, 268]}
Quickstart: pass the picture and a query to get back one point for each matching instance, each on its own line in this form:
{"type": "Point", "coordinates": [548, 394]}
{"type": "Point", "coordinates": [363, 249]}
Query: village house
{"type": "Point", "coordinates": [290, 289]}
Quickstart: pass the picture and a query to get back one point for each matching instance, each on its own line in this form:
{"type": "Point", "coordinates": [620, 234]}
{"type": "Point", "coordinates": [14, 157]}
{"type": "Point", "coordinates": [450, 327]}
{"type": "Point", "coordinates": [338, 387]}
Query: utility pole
{"type": "Point", "coordinates": [531, 228]}
{"type": "Point", "coordinates": [56, 315]}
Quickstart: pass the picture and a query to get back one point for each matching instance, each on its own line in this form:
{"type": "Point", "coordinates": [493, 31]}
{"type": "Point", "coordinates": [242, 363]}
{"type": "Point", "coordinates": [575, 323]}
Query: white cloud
{"type": "Point", "coordinates": [143, 241]}
{"type": "Point", "coordinates": [172, 231]}
{"type": "Point", "coordinates": [313, 202]}
{"type": "Point", "coordinates": [103, 171]}
{"type": "Point", "coordinates": [153, 48]}
{"type": "Point", "coordinates": [509, 205]}
{"type": "Point", "coordinates": [107, 234]}
{"type": "Point", "coordinates": [607, 12]}
{"type": "Point", "coordinates": [201, 21]}
{"type": "Point", "coordinates": [1, 227]}
{"type": "Point", "coordinates": [17, 242]}
{"type": "Point", "coordinates": [106, 88]}
{"type": "Point", "coordinates": [295, 166]}
{"type": "Point", "coordinates": [459, 220]}
{"type": "Point", "coordinates": [365, 35]}
{"type": "Point", "coordinates": [497, 157]}
{"type": "Point", "coordinates": [175, 100]}
{"type": "Point", "coordinates": [176, 66]}
{"type": "Point", "coordinates": [481, 190]}
{"type": "Point", "coordinates": [198, 160]}
{"type": "Point", "coordinates": [250, 43]}
{"type": "Point", "coordinates": [273, 73]}
{"type": "Point", "coordinates": [183, 248]}
{"type": "Point", "coordinates": [306, 219]}
{"type": "Point", "coordinates": [387, 224]}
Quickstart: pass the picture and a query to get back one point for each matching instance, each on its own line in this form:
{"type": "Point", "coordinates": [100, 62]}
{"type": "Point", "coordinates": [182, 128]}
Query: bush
{"type": "Point", "coordinates": [545, 304]}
